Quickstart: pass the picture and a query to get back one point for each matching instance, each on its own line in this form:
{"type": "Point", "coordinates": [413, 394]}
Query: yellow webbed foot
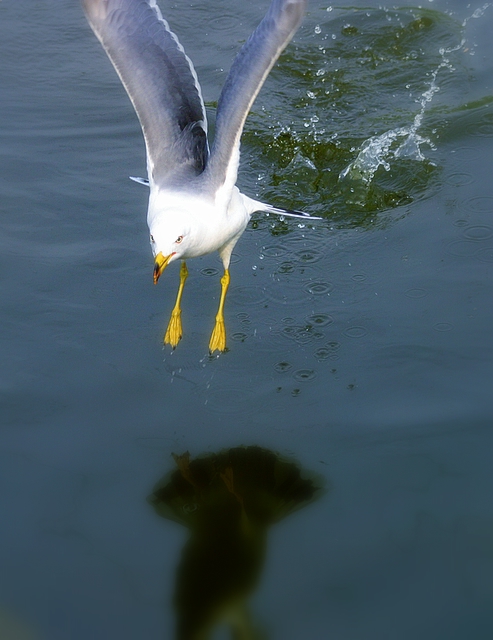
{"type": "Point", "coordinates": [218, 337]}
{"type": "Point", "coordinates": [174, 331]}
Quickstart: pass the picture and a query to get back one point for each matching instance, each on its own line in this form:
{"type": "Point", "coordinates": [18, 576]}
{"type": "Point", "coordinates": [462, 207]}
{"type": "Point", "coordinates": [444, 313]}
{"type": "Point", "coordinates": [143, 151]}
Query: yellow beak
{"type": "Point", "coordinates": [160, 265]}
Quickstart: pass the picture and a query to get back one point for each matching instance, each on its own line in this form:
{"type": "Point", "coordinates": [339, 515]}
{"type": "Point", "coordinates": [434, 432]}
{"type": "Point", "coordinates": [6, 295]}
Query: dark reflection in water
{"type": "Point", "coordinates": [228, 501]}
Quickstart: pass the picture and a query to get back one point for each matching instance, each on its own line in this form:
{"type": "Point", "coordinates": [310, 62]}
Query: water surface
{"type": "Point", "coordinates": [360, 347]}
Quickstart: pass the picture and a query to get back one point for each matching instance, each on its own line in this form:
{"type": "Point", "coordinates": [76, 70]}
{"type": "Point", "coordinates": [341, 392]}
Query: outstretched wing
{"type": "Point", "coordinates": [247, 74]}
{"type": "Point", "coordinates": [160, 81]}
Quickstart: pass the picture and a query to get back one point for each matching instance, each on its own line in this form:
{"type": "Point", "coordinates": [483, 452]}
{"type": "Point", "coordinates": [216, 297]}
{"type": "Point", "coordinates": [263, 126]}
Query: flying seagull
{"type": "Point", "coordinates": [195, 207]}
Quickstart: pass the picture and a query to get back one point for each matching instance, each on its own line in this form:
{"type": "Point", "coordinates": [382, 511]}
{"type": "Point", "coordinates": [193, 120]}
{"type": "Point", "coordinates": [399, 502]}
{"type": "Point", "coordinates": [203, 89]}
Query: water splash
{"type": "Point", "coordinates": [379, 151]}
{"type": "Point", "coordinates": [478, 13]}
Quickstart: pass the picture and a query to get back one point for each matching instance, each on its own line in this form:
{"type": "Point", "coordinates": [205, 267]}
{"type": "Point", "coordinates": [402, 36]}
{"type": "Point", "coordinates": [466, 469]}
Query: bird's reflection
{"type": "Point", "coordinates": [228, 501]}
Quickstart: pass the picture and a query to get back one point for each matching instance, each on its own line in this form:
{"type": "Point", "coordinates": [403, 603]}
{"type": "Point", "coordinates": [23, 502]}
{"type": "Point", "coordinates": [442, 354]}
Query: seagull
{"type": "Point", "coordinates": [195, 207]}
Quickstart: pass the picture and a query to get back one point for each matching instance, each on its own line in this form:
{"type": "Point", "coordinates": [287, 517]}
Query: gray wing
{"type": "Point", "coordinates": [160, 81]}
{"type": "Point", "coordinates": [247, 74]}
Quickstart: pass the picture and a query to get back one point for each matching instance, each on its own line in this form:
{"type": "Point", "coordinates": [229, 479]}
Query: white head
{"type": "Point", "coordinates": [170, 239]}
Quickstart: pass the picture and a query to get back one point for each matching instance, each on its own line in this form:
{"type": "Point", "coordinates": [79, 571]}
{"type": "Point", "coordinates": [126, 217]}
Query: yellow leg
{"type": "Point", "coordinates": [218, 337]}
{"type": "Point", "coordinates": [174, 330]}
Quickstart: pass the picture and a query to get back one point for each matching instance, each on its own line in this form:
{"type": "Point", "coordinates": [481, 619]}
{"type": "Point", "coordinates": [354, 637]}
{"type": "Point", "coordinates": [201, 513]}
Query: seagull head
{"type": "Point", "coordinates": [170, 238]}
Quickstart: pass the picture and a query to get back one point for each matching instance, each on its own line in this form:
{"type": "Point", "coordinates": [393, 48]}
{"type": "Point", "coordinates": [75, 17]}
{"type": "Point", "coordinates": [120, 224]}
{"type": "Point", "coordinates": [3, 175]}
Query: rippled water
{"type": "Point", "coordinates": [359, 374]}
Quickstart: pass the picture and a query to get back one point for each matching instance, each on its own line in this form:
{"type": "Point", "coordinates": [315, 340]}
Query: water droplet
{"type": "Point", "coordinates": [322, 354]}
{"type": "Point", "coordinates": [274, 251]}
{"type": "Point", "coordinates": [304, 375]}
{"type": "Point", "coordinates": [355, 332]}
{"type": "Point", "coordinates": [416, 293]}
{"type": "Point", "coordinates": [281, 367]}
{"type": "Point", "coordinates": [349, 30]}
{"type": "Point", "coordinates": [443, 326]}
{"type": "Point", "coordinates": [224, 23]}
{"type": "Point", "coordinates": [319, 288]}
{"type": "Point", "coordinates": [320, 319]}
{"type": "Point", "coordinates": [289, 332]}
{"type": "Point", "coordinates": [479, 204]}
{"type": "Point", "coordinates": [209, 272]}
{"type": "Point", "coordinates": [309, 255]}
{"type": "Point", "coordinates": [247, 295]}
{"type": "Point", "coordinates": [286, 267]}
{"type": "Point", "coordinates": [460, 178]}
{"type": "Point", "coordinates": [461, 248]}
{"type": "Point", "coordinates": [479, 232]}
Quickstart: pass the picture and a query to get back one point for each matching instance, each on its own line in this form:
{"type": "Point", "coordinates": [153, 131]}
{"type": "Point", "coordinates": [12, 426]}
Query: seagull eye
{"type": "Point", "coordinates": [178, 240]}
{"type": "Point", "coordinates": [152, 239]}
